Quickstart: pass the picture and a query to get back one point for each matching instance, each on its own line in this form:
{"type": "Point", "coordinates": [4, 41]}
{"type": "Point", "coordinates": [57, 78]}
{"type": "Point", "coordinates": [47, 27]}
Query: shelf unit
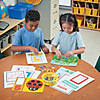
{"type": "Point", "coordinates": [13, 24]}
{"type": "Point", "coordinates": [7, 47]}
{"type": "Point", "coordinates": [87, 13]}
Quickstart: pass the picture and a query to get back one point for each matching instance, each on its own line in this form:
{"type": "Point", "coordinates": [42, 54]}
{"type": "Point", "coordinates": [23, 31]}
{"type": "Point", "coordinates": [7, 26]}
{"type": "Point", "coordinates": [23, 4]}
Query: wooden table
{"type": "Point", "coordinates": [89, 92]}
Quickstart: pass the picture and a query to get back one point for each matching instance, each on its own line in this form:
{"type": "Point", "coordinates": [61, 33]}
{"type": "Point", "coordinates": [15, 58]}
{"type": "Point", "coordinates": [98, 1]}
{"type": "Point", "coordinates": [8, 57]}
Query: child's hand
{"type": "Point", "coordinates": [45, 50]}
{"type": "Point", "coordinates": [70, 53]}
{"type": "Point", "coordinates": [58, 53]}
{"type": "Point", "coordinates": [34, 50]}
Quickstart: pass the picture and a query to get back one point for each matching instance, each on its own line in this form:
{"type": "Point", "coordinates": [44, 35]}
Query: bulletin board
{"type": "Point", "coordinates": [65, 4]}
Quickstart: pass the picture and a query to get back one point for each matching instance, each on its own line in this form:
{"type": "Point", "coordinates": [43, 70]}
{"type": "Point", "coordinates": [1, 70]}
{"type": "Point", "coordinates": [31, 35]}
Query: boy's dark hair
{"type": "Point", "coordinates": [70, 18]}
{"type": "Point", "coordinates": [32, 15]}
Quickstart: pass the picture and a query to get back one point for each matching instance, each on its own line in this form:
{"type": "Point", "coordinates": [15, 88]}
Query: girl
{"type": "Point", "coordinates": [68, 39]}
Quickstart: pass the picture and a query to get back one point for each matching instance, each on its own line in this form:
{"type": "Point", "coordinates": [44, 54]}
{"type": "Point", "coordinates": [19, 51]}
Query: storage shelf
{"type": "Point", "coordinates": [13, 24]}
{"type": "Point", "coordinates": [89, 28]}
{"type": "Point", "coordinates": [86, 15]}
{"type": "Point", "coordinates": [92, 2]}
{"type": "Point", "coordinates": [87, 1]}
{"type": "Point", "coordinates": [7, 47]}
{"type": "Point", "coordinates": [87, 18]}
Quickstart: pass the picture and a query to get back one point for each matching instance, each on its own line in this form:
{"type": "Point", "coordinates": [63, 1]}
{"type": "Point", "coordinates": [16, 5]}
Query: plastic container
{"type": "Point", "coordinates": [4, 41]}
{"type": "Point", "coordinates": [79, 22]}
{"type": "Point", "coordinates": [50, 78]}
{"type": "Point", "coordinates": [81, 0]}
{"type": "Point", "coordinates": [90, 0]}
{"type": "Point", "coordinates": [17, 12]}
{"type": "Point", "coordinates": [88, 11]}
{"type": "Point", "coordinates": [0, 43]}
{"type": "Point", "coordinates": [94, 12]}
{"type": "Point", "coordinates": [75, 10]}
{"type": "Point", "coordinates": [11, 34]}
{"type": "Point", "coordinates": [96, 0]}
{"type": "Point", "coordinates": [81, 10]}
{"type": "Point", "coordinates": [29, 6]}
{"type": "Point", "coordinates": [91, 25]}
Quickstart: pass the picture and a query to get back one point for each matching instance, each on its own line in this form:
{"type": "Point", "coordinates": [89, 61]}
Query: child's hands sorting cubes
{"type": "Point", "coordinates": [35, 50]}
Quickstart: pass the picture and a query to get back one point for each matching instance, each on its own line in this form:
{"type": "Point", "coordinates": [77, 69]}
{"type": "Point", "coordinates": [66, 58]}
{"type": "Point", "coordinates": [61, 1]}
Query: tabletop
{"type": "Point", "coordinates": [88, 92]}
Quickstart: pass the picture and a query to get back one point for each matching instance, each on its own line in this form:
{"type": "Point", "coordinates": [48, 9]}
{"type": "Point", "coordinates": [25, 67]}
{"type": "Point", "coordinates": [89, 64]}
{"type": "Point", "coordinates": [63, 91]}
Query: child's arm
{"type": "Point", "coordinates": [78, 51]}
{"type": "Point", "coordinates": [56, 51]}
{"type": "Point", "coordinates": [45, 49]}
{"type": "Point", "coordinates": [24, 48]}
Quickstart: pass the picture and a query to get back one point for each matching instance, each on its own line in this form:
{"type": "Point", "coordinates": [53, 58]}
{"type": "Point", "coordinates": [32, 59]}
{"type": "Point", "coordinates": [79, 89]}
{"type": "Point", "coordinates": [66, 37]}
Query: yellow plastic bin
{"type": "Point", "coordinates": [75, 10]}
{"type": "Point", "coordinates": [79, 22]}
{"type": "Point", "coordinates": [91, 25]}
{"type": "Point", "coordinates": [50, 78]}
{"type": "Point", "coordinates": [88, 11]}
{"type": "Point", "coordinates": [81, 0]}
{"type": "Point", "coordinates": [94, 12]}
{"type": "Point", "coordinates": [90, 0]}
{"type": "Point", "coordinates": [81, 9]}
{"type": "Point", "coordinates": [96, 0]}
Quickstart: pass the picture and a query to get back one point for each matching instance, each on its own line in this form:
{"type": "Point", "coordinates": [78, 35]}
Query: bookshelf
{"type": "Point", "coordinates": [87, 13]}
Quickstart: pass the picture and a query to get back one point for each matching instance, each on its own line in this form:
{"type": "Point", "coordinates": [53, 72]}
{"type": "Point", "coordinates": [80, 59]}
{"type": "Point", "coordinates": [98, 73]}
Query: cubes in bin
{"type": "Point", "coordinates": [17, 12]}
{"type": "Point", "coordinates": [29, 6]}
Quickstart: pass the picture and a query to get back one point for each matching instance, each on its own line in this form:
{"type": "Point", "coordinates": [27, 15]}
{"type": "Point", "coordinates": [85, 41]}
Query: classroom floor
{"type": "Point", "coordinates": [92, 41]}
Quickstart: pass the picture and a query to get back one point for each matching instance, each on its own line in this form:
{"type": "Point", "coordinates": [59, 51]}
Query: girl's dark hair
{"type": "Point", "coordinates": [32, 15]}
{"type": "Point", "coordinates": [70, 18]}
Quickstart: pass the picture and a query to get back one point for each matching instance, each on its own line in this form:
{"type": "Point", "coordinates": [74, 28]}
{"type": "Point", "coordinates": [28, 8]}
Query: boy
{"type": "Point", "coordinates": [30, 37]}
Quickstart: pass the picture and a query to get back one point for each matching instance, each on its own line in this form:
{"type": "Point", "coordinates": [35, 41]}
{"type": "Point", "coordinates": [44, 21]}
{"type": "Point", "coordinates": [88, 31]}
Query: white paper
{"type": "Point", "coordinates": [41, 58]}
{"type": "Point", "coordinates": [28, 74]}
{"type": "Point", "coordinates": [20, 81]}
{"type": "Point", "coordinates": [60, 86]}
{"type": "Point", "coordinates": [22, 68]}
{"type": "Point", "coordinates": [10, 77]}
{"type": "Point", "coordinates": [63, 88]}
{"type": "Point", "coordinates": [77, 80]}
{"type": "Point", "coordinates": [65, 2]}
{"type": "Point", "coordinates": [62, 71]}
{"type": "Point", "coordinates": [36, 74]}
{"type": "Point", "coordinates": [28, 70]}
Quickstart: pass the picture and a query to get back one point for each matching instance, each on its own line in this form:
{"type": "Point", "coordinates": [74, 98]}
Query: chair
{"type": "Point", "coordinates": [1, 55]}
{"type": "Point", "coordinates": [97, 66]}
{"type": "Point", "coordinates": [79, 56]}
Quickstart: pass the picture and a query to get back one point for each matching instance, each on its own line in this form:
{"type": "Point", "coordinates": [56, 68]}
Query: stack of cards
{"type": "Point", "coordinates": [19, 71]}
{"type": "Point", "coordinates": [71, 81]}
